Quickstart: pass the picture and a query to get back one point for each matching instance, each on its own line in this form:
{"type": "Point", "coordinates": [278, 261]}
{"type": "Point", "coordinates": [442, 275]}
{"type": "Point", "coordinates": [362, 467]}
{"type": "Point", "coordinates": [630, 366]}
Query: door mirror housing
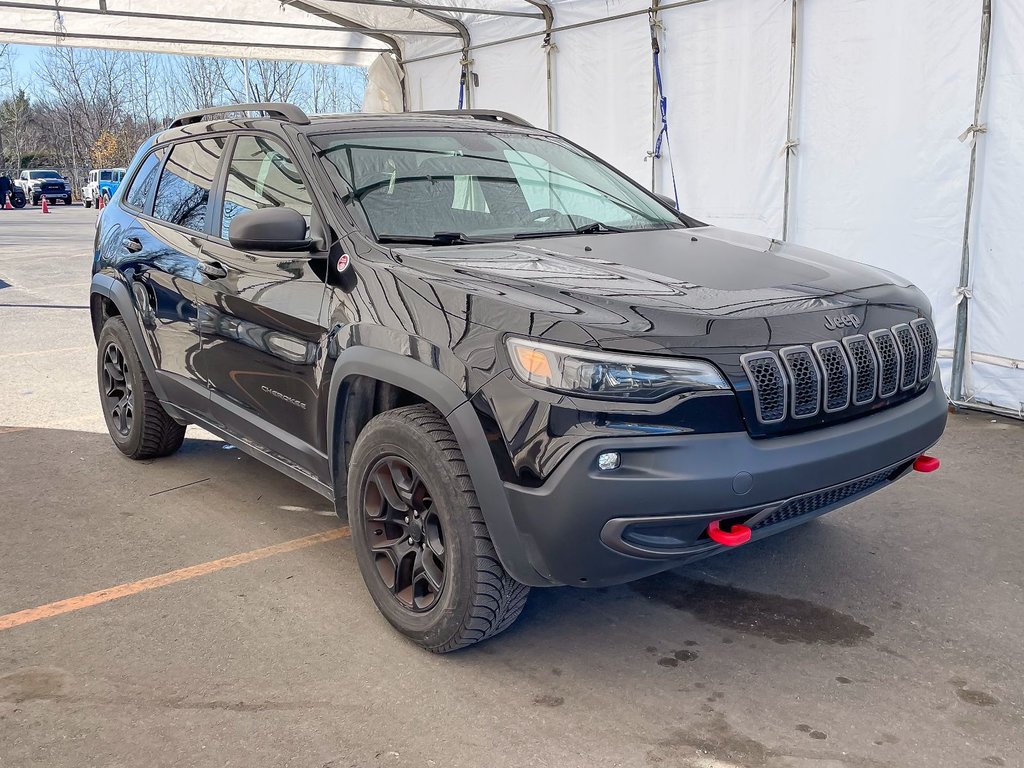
{"type": "Point", "coordinates": [670, 202]}
{"type": "Point", "coordinates": [270, 229]}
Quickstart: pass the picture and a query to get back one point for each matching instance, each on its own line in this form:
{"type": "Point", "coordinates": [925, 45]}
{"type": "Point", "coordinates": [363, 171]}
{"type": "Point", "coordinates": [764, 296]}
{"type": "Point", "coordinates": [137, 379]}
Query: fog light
{"type": "Point", "coordinates": [608, 461]}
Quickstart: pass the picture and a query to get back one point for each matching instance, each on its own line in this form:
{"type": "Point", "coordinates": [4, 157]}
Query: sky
{"type": "Point", "coordinates": [26, 58]}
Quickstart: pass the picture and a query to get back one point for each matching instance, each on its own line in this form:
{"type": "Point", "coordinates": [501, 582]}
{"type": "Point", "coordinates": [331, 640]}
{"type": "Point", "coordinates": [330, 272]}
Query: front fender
{"type": "Point", "coordinates": [109, 287]}
{"type": "Point", "coordinates": [451, 400]}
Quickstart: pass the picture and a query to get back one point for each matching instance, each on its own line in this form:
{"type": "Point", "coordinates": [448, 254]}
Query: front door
{"type": "Point", "coordinates": [263, 318]}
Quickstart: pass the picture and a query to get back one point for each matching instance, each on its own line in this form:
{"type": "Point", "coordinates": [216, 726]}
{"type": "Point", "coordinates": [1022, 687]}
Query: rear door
{"type": "Point", "coordinates": [263, 319]}
{"type": "Point", "coordinates": [172, 193]}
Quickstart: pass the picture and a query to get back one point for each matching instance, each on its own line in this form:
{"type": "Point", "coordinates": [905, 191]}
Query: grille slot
{"type": "Point", "coordinates": [926, 342]}
{"type": "Point", "coordinates": [768, 384]}
{"type": "Point", "coordinates": [836, 368]}
{"type": "Point", "coordinates": [910, 353]}
{"type": "Point", "coordinates": [805, 505]}
{"type": "Point", "coordinates": [865, 368]}
{"type": "Point", "coordinates": [805, 381]}
{"type": "Point", "coordinates": [889, 362]}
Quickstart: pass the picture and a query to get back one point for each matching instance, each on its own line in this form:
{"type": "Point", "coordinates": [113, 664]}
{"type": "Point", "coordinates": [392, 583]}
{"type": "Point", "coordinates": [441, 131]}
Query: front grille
{"type": "Point", "coordinates": [769, 384]}
{"type": "Point", "coordinates": [889, 359]}
{"type": "Point", "coordinates": [911, 370]}
{"type": "Point", "coordinates": [805, 505]}
{"type": "Point", "coordinates": [926, 340]}
{"type": "Point", "coordinates": [865, 368]}
{"type": "Point", "coordinates": [837, 375]}
{"type": "Point", "coordinates": [831, 376]}
{"type": "Point", "coordinates": [806, 380]}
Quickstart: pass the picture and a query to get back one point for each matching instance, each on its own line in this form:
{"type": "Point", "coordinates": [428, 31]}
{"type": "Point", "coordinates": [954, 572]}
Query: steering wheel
{"type": "Point", "coordinates": [544, 213]}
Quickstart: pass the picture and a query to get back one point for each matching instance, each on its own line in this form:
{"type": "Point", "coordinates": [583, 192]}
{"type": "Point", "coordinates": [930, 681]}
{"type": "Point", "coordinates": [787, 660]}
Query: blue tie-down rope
{"type": "Point", "coordinates": [663, 136]}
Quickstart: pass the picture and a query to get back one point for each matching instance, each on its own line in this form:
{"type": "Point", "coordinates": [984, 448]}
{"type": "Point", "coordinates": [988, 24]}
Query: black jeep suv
{"type": "Point", "coordinates": [506, 363]}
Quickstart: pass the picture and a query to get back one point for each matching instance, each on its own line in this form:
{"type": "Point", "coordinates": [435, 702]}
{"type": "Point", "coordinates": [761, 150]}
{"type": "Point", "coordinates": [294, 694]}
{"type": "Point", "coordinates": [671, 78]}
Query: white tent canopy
{"type": "Point", "coordinates": [885, 132]}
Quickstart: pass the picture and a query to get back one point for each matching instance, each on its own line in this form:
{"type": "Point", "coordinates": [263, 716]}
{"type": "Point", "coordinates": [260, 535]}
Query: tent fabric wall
{"type": "Point", "coordinates": [728, 123]}
{"type": "Point", "coordinates": [881, 177]}
{"type": "Point", "coordinates": [997, 309]}
{"type": "Point", "coordinates": [883, 91]}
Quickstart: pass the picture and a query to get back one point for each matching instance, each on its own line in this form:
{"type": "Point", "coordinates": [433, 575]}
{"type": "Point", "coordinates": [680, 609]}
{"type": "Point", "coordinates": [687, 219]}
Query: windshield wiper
{"type": "Point", "coordinates": [438, 238]}
{"type": "Point", "coordinates": [594, 228]}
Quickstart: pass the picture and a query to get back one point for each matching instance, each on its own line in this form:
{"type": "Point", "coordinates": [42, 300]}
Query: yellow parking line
{"type": "Point", "coordinates": [172, 577]}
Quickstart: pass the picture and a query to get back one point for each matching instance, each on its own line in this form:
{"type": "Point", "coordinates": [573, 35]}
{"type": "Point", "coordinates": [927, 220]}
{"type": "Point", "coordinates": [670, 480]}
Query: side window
{"type": "Point", "coordinates": [143, 182]}
{"type": "Point", "coordinates": [183, 193]}
{"type": "Point", "coordinates": [262, 175]}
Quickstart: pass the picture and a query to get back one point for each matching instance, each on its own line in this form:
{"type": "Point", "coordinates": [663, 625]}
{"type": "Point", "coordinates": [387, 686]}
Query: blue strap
{"type": "Point", "coordinates": [663, 136]}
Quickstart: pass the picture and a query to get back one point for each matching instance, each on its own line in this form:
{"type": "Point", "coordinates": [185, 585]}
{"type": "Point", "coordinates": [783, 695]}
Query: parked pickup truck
{"type": "Point", "coordinates": [46, 183]}
{"type": "Point", "coordinates": [103, 183]}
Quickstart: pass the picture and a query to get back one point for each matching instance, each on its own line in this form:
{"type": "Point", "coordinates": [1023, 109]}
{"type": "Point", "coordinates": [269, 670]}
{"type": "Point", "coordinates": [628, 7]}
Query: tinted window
{"type": "Point", "coordinates": [143, 182]}
{"type": "Point", "coordinates": [44, 175]}
{"type": "Point", "coordinates": [262, 175]}
{"type": "Point", "coordinates": [183, 194]}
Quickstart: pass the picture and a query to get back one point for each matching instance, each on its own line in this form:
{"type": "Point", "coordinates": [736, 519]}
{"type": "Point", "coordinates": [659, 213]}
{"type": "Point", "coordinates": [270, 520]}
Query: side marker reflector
{"type": "Point", "coordinates": [739, 534]}
{"type": "Point", "coordinates": [926, 463]}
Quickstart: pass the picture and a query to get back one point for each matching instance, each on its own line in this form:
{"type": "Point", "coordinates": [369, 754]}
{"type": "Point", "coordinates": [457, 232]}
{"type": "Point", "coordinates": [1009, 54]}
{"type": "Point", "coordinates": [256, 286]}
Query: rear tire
{"type": "Point", "coordinates": [137, 423]}
{"type": "Point", "coordinates": [407, 465]}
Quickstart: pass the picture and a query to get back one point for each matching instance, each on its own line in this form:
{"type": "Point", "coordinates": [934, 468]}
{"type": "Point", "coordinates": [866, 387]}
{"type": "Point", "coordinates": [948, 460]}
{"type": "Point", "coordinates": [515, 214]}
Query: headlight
{"type": "Point", "coordinates": [608, 375]}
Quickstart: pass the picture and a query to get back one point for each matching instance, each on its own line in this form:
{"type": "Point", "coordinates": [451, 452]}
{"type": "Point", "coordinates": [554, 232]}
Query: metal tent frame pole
{"type": "Point", "coordinates": [963, 291]}
{"type": "Point", "coordinates": [791, 141]}
{"type": "Point", "coordinates": [549, 54]}
{"type": "Point", "coordinates": [182, 41]}
{"type": "Point", "coordinates": [353, 28]}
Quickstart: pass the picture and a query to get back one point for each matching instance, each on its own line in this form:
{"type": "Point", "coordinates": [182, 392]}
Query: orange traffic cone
{"type": "Point", "coordinates": [7, 202]}
{"type": "Point", "coordinates": [46, 207]}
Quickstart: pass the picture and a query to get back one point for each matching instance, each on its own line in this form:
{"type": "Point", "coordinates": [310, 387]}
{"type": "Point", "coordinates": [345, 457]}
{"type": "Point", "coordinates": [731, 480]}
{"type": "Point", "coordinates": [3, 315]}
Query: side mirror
{"type": "Point", "coordinates": [670, 202]}
{"type": "Point", "coordinates": [269, 229]}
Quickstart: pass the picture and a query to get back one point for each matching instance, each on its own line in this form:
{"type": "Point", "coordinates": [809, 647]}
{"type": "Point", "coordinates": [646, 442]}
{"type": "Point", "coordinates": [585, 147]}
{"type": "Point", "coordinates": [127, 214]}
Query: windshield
{"type": "Point", "coordinates": [43, 175]}
{"type": "Point", "coordinates": [479, 186]}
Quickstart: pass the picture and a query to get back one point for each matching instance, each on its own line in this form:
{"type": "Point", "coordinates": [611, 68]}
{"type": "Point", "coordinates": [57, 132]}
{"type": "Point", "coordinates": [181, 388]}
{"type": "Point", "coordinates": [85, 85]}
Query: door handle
{"type": "Point", "coordinates": [212, 269]}
{"type": "Point", "coordinates": [132, 244]}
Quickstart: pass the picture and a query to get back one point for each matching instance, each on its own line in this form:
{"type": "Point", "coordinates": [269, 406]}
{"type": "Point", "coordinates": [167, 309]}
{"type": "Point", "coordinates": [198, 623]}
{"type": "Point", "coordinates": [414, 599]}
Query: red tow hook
{"type": "Point", "coordinates": [925, 463]}
{"type": "Point", "coordinates": [738, 534]}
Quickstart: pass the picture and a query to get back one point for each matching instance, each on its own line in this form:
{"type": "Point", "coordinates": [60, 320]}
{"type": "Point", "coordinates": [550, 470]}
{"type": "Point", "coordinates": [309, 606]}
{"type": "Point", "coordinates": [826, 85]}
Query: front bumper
{"type": "Point", "coordinates": [592, 528]}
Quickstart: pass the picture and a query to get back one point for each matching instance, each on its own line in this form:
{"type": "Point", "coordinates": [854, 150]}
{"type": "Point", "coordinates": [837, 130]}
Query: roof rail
{"type": "Point", "coordinates": [288, 112]}
{"type": "Point", "coordinates": [478, 114]}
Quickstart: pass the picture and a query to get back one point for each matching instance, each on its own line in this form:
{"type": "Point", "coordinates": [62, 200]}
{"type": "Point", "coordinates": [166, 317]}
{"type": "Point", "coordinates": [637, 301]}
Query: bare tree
{"type": "Point", "coordinates": [203, 82]}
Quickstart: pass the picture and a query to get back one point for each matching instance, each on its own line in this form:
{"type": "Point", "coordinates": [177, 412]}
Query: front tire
{"type": "Point", "coordinates": [67, 200]}
{"type": "Point", "coordinates": [137, 423]}
{"type": "Point", "coordinates": [87, 202]}
{"type": "Point", "coordinates": [421, 541]}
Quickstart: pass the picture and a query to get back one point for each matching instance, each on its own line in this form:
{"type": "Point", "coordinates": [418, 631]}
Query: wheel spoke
{"type": "Point", "coordinates": [431, 571]}
{"type": "Point", "coordinates": [385, 482]}
{"type": "Point", "coordinates": [113, 371]}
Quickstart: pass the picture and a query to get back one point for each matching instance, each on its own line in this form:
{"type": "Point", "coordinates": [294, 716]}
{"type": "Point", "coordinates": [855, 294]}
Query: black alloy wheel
{"type": "Point", "coordinates": [135, 418]}
{"type": "Point", "coordinates": [117, 390]}
{"type": "Point", "coordinates": [404, 533]}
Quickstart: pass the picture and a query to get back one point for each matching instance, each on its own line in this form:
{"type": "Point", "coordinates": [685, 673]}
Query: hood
{"type": "Point", "coordinates": [656, 290]}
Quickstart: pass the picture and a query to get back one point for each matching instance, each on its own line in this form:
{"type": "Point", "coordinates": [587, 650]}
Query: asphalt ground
{"type": "Point", "coordinates": [888, 633]}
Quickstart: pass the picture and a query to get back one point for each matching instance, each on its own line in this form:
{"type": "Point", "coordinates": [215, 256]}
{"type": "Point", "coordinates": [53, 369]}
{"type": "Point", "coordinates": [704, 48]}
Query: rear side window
{"type": "Point", "coordinates": [262, 175]}
{"type": "Point", "coordinates": [144, 181]}
{"type": "Point", "coordinates": [183, 193]}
